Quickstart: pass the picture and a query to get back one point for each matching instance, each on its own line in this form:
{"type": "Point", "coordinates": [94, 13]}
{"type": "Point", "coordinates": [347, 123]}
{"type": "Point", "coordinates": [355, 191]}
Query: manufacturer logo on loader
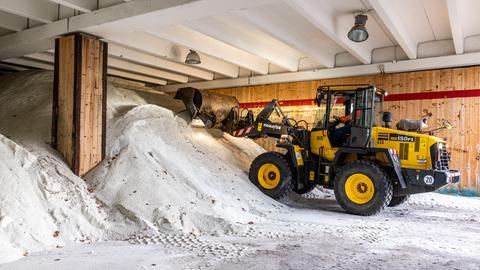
{"type": "Point", "coordinates": [272, 126]}
{"type": "Point", "coordinates": [395, 137]}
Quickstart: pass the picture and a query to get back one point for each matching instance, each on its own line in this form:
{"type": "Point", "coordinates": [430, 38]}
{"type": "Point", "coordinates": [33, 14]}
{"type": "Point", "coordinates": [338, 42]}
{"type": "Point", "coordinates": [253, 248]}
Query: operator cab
{"type": "Point", "coordinates": [349, 112]}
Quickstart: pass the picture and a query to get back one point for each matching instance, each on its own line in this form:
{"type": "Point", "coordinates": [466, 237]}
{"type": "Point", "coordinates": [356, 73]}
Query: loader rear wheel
{"type": "Point", "coordinates": [362, 188]}
{"type": "Point", "coordinates": [271, 173]}
{"type": "Point", "coordinates": [396, 201]}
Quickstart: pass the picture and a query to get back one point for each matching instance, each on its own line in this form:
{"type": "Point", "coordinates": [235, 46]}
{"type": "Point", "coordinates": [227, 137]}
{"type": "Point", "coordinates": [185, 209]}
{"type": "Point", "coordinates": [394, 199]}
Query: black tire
{"type": "Point", "coordinates": [285, 183]}
{"type": "Point", "coordinates": [396, 201]}
{"type": "Point", "coordinates": [382, 188]}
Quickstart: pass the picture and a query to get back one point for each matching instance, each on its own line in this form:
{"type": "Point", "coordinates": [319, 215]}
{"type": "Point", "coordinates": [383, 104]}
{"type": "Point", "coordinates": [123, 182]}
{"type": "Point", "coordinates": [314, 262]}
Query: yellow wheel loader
{"type": "Point", "coordinates": [352, 149]}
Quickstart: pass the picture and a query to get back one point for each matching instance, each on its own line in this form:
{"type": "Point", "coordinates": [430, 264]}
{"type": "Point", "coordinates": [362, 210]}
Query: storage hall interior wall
{"type": "Point", "coordinates": [451, 94]}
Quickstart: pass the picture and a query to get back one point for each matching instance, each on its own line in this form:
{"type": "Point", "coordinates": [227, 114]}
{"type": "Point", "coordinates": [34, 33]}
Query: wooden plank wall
{"type": "Point", "coordinates": [463, 112]}
{"type": "Point", "coordinates": [80, 101]}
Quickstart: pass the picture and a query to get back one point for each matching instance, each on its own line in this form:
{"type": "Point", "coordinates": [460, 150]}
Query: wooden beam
{"type": "Point", "coordinates": [79, 101]}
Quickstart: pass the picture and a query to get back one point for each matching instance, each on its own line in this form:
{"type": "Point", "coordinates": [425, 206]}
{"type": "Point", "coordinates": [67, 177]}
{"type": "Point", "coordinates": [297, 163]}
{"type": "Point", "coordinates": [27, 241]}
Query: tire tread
{"type": "Point", "coordinates": [385, 182]}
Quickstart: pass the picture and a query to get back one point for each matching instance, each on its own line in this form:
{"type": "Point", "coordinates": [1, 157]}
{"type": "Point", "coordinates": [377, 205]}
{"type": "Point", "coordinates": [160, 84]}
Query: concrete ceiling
{"type": "Point", "coordinates": [246, 42]}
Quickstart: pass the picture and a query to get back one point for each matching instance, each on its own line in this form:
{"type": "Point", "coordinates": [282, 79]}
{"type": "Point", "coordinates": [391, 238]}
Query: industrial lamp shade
{"type": "Point", "coordinates": [193, 58]}
{"type": "Point", "coordinates": [359, 32]}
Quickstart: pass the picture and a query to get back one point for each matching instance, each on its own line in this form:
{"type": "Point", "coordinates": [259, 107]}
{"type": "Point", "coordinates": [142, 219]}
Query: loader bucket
{"type": "Point", "coordinates": [215, 110]}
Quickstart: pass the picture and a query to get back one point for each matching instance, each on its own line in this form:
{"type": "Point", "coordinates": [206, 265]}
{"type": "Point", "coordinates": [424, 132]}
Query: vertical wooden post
{"type": "Point", "coordinates": [79, 101]}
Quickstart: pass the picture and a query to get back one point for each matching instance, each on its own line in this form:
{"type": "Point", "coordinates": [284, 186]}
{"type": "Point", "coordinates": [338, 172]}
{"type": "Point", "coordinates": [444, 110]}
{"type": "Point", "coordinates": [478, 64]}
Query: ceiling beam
{"type": "Point", "coordinates": [9, 67]}
{"type": "Point", "coordinates": [199, 42]}
{"type": "Point", "coordinates": [459, 60]}
{"type": "Point", "coordinates": [456, 25]}
{"type": "Point", "coordinates": [119, 68]}
{"type": "Point", "coordinates": [241, 34]}
{"type": "Point", "coordinates": [287, 32]}
{"type": "Point", "coordinates": [12, 22]}
{"type": "Point", "coordinates": [81, 5]}
{"type": "Point", "coordinates": [136, 77]}
{"type": "Point", "coordinates": [155, 61]}
{"type": "Point", "coordinates": [41, 38]}
{"type": "Point", "coordinates": [26, 62]}
{"type": "Point", "coordinates": [138, 15]}
{"type": "Point", "coordinates": [39, 10]}
{"type": "Point", "coordinates": [130, 66]}
{"type": "Point", "coordinates": [156, 46]}
{"type": "Point", "coordinates": [391, 19]}
{"type": "Point", "coordinates": [179, 12]}
{"type": "Point", "coordinates": [45, 57]}
{"type": "Point", "coordinates": [319, 16]}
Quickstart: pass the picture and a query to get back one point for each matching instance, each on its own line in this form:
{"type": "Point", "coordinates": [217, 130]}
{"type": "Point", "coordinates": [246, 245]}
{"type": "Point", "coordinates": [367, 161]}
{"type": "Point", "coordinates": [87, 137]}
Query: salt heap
{"type": "Point", "coordinates": [160, 173]}
{"type": "Point", "coordinates": [42, 204]}
{"type": "Point", "coordinates": [164, 175]}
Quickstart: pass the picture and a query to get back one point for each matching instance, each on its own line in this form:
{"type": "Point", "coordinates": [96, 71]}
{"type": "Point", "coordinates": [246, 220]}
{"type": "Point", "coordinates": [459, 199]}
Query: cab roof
{"type": "Point", "coordinates": [348, 87]}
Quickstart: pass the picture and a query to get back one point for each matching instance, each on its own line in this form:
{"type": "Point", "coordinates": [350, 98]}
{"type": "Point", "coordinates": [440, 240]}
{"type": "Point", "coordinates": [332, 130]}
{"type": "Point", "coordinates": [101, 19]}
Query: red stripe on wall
{"type": "Point", "coordinates": [393, 97]}
{"type": "Point", "coordinates": [434, 95]}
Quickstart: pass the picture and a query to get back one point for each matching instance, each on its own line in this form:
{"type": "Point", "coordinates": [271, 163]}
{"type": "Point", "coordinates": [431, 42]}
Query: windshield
{"type": "Point", "coordinates": [358, 104]}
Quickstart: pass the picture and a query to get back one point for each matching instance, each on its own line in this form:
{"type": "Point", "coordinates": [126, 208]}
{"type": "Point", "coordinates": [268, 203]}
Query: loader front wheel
{"type": "Point", "coordinates": [271, 173]}
{"type": "Point", "coordinates": [362, 188]}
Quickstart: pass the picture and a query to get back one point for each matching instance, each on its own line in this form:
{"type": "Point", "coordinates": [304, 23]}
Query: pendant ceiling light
{"type": "Point", "coordinates": [193, 58]}
{"type": "Point", "coordinates": [359, 32]}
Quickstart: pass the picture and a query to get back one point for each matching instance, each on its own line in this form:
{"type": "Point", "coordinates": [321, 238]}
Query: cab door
{"type": "Point", "coordinates": [362, 118]}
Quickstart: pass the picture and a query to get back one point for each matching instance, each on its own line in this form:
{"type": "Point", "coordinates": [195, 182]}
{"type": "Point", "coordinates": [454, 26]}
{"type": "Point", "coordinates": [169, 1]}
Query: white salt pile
{"type": "Point", "coordinates": [160, 174]}
{"type": "Point", "coordinates": [42, 204]}
{"type": "Point", "coordinates": [164, 175]}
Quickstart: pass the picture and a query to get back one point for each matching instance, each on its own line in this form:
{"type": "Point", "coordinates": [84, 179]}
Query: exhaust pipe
{"type": "Point", "coordinates": [215, 110]}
